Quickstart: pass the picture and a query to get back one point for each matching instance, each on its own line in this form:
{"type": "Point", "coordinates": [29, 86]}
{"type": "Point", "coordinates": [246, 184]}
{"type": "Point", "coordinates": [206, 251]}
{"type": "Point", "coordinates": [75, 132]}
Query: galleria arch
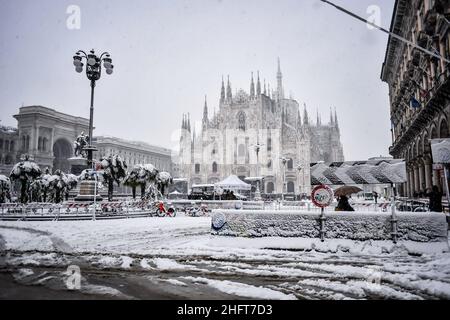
{"type": "Point", "coordinates": [48, 135]}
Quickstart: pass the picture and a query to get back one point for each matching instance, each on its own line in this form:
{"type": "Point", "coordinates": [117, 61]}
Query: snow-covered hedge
{"type": "Point", "coordinates": [420, 227]}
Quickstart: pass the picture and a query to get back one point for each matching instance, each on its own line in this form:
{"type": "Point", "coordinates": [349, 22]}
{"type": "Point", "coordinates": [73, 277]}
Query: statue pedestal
{"type": "Point", "coordinates": [87, 192]}
{"type": "Point", "coordinates": [77, 165]}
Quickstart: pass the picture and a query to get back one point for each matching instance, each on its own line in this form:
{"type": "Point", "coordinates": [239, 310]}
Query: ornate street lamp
{"type": "Point", "coordinates": [93, 73]}
{"type": "Point", "coordinates": [257, 148]}
{"type": "Point", "coordinates": [284, 161]}
{"type": "Point", "coordinates": [302, 187]}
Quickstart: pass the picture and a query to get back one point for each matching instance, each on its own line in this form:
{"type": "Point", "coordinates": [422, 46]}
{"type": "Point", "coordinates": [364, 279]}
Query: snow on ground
{"type": "Point", "coordinates": [184, 251]}
{"type": "Point", "coordinates": [243, 290]}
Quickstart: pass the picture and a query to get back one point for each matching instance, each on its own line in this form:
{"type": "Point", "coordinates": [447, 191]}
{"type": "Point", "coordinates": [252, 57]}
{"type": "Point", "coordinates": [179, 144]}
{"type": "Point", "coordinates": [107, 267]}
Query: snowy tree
{"type": "Point", "coordinates": [45, 183]}
{"type": "Point", "coordinates": [153, 193]}
{"type": "Point", "coordinates": [72, 182]}
{"type": "Point", "coordinates": [163, 180]}
{"type": "Point", "coordinates": [141, 175]}
{"type": "Point", "coordinates": [57, 184]}
{"type": "Point", "coordinates": [132, 179]}
{"type": "Point", "coordinates": [26, 171]}
{"type": "Point", "coordinates": [114, 170]}
{"type": "Point", "coordinates": [36, 190]}
{"type": "Point", "coordinates": [5, 189]}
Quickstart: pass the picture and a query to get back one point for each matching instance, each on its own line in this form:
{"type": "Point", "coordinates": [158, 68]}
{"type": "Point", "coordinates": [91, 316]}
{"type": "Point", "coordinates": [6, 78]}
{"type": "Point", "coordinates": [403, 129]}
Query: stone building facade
{"type": "Point", "coordinates": [257, 134]}
{"type": "Point", "coordinates": [8, 148]}
{"type": "Point", "coordinates": [134, 152]}
{"type": "Point", "coordinates": [48, 136]}
{"type": "Point", "coordinates": [419, 88]}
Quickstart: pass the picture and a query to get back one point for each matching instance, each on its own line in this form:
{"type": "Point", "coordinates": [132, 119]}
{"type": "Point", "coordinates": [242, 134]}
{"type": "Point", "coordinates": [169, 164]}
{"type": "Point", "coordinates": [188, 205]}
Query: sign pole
{"type": "Point", "coordinates": [394, 219]}
{"type": "Point", "coordinates": [322, 224]}
{"type": "Point", "coordinates": [447, 192]}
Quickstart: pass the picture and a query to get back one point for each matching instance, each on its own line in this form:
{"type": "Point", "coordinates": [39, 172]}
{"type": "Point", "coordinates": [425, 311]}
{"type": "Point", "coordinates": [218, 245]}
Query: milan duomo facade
{"type": "Point", "coordinates": [260, 134]}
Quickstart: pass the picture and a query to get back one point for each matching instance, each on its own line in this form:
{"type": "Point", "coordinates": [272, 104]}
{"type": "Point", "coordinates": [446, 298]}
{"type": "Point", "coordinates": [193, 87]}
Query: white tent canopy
{"type": "Point", "coordinates": [233, 183]}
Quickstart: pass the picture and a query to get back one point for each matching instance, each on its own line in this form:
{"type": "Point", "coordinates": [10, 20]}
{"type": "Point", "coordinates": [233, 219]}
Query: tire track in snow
{"type": "Point", "coordinates": [57, 243]}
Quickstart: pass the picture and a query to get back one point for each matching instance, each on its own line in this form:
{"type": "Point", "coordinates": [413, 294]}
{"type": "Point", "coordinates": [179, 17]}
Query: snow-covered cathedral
{"type": "Point", "coordinates": [258, 135]}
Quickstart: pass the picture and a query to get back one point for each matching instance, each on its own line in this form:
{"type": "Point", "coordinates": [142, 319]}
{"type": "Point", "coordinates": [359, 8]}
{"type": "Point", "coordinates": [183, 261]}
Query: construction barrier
{"type": "Point", "coordinates": [74, 210]}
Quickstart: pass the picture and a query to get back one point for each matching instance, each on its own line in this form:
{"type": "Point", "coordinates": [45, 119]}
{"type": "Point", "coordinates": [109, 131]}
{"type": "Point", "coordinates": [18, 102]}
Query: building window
{"type": "Point", "coordinates": [241, 150]}
{"type": "Point", "coordinates": [241, 121]}
{"type": "Point", "coordinates": [269, 144]}
{"type": "Point", "coordinates": [1, 144]}
{"type": "Point", "coordinates": [11, 146]}
{"type": "Point", "coordinates": [270, 187]}
{"type": "Point", "coordinates": [214, 167]}
{"type": "Point", "coordinates": [290, 187]}
{"type": "Point", "coordinates": [197, 168]}
{"type": "Point", "coordinates": [290, 164]}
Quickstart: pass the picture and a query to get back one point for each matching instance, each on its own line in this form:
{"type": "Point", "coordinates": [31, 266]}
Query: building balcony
{"type": "Point", "coordinates": [436, 102]}
{"type": "Point", "coordinates": [442, 25]}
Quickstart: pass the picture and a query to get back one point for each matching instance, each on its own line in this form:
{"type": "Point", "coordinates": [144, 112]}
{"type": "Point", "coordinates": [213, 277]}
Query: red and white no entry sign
{"type": "Point", "coordinates": [322, 196]}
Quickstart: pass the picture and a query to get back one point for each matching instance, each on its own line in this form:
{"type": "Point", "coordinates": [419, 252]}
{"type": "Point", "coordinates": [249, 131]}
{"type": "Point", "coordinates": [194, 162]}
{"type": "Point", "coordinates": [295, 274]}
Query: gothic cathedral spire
{"type": "Point", "coordinates": [331, 117]}
{"type": "Point", "coordinates": [229, 93]}
{"type": "Point", "coordinates": [222, 92]}
{"type": "Point", "coordinates": [336, 123]}
{"type": "Point", "coordinates": [258, 87]}
{"type": "Point", "coordinates": [252, 88]}
{"type": "Point", "coordinates": [305, 115]}
{"type": "Point", "coordinates": [280, 90]}
{"type": "Point", "coordinates": [205, 115]}
{"type": "Point", "coordinates": [188, 123]}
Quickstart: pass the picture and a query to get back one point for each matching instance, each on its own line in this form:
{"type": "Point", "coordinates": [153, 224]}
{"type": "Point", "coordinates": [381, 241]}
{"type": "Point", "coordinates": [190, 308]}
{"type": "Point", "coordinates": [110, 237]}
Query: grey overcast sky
{"type": "Point", "coordinates": [169, 54]}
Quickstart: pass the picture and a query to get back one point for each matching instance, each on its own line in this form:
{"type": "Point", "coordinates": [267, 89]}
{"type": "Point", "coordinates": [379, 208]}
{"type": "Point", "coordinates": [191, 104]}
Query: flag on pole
{"type": "Point", "coordinates": [414, 103]}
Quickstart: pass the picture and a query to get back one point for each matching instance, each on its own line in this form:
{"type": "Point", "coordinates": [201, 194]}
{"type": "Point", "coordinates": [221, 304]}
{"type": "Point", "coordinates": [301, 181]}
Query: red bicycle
{"type": "Point", "coordinates": [161, 210]}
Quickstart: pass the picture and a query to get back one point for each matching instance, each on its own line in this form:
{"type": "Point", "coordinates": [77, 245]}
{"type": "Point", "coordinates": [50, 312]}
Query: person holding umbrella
{"type": "Point", "coordinates": [343, 193]}
{"type": "Point", "coordinates": [343, 204]}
